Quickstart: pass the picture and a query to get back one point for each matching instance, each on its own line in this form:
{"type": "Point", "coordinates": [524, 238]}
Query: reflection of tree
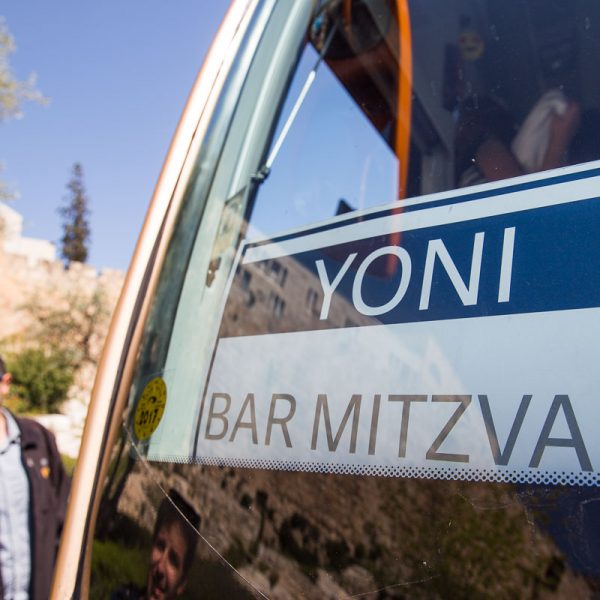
{"type": "Point", "coordinates": [120, 469]}
{"type": "Point", "coordinates": [261, 502]}
{"type": "Point", "coordinates": [466, 540]}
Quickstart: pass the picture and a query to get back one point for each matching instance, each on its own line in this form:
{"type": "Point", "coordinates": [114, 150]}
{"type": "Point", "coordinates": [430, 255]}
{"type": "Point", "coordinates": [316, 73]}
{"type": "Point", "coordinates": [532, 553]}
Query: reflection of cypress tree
{"type": "Point", "coordinates": [462, 540]}
{"type": "Point", "coordinates": [75, 214]}
{"type": "Point", "coordinates": [261, 502]}
{"type": "Point", "coordinates": [121, 468]}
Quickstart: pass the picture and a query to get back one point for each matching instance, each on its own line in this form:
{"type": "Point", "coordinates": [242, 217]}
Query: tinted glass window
{"type": "Point", "coordinates": [369, 362]}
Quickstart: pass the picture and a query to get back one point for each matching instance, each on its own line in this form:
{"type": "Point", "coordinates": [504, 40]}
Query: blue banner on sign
{"type": "Point", "coordinates": [541, 259]}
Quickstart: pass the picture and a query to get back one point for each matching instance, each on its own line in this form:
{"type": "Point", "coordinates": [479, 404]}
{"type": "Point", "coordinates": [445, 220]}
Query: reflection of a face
{"type": "Point", "coordinates": [166, 578]}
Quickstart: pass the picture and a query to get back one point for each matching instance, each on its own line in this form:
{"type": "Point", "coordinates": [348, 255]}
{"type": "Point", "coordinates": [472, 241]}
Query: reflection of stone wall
{"type": "Point", "coordinates": [302, 535]}
{"type": "Point", "coordinates": [308, 535]}
{"type": "Point", "coordinates": [267, 293]}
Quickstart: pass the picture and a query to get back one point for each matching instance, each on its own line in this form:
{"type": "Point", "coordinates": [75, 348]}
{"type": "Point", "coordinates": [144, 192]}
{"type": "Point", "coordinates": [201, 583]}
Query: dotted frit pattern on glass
{"type": "Point", "coordinates": [532, 476]}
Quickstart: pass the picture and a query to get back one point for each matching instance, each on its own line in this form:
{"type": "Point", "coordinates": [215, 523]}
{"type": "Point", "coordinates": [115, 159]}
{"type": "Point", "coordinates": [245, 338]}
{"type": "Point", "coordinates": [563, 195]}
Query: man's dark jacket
{"type": "Point", "coordinates": [48, 492]}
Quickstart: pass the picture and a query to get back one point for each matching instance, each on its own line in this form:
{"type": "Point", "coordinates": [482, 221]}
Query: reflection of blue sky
{"type": "Point", "coordinates": [331, 152]}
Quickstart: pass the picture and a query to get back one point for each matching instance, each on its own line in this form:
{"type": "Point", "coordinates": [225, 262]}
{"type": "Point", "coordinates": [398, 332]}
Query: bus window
{"type": "Point", "coordinates": [363, 363]}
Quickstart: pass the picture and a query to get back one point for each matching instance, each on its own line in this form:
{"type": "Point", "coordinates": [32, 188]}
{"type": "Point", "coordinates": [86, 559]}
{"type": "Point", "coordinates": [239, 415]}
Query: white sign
{"type": "Point", "coordinates": [457, 338]}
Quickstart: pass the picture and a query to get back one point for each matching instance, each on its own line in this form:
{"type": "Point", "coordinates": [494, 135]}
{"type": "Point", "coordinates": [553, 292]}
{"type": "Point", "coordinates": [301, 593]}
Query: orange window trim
{"type": "Point", "coordinates": [403, 115]}
{"type": "Point", "coordinates": [405, 76]}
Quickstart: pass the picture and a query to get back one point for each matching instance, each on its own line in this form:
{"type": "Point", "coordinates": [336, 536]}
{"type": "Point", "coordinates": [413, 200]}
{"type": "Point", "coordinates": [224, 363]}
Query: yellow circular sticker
{"type": "Point", "coordinates": [150, 408]}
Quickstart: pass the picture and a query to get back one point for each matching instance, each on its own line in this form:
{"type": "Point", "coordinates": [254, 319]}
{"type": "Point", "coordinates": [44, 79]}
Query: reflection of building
{"type": "Point", "coordinates": [282, 295]}
{"type": "Point", "coordinates": [11, 227]}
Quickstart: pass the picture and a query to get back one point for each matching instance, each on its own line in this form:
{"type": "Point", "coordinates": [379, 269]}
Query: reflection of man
{"type": "Point", "coordinates": [33, 495]}
{"type": "Point", "coordinates": [173, 548]}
